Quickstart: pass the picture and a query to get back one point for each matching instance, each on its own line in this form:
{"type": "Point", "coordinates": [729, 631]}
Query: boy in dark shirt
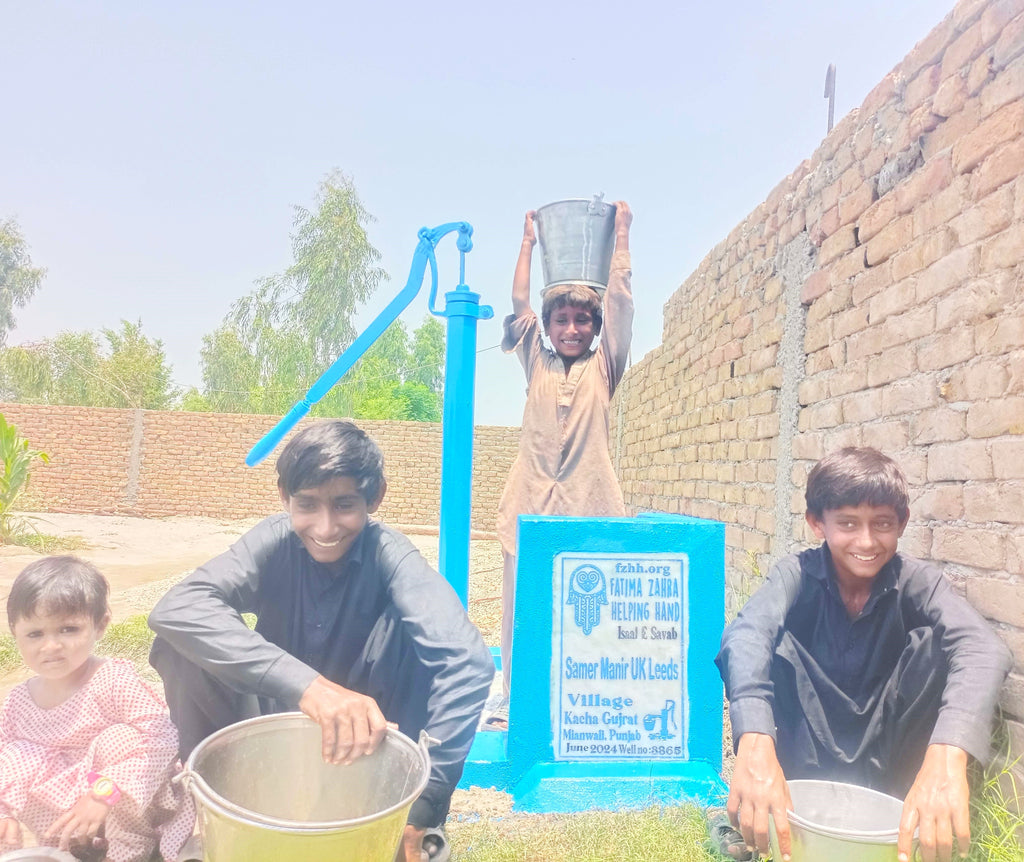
{"type": "Point", "coordinates": [353, 627]}
{"type": "Point", "coordinates": [854, 663]}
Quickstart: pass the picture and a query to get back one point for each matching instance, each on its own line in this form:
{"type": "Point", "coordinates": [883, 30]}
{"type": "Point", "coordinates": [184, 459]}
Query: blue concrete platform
{"type": "Point", "coordinates": [616, 702]}
{"type": "Point", "coordinates": [616, 785]}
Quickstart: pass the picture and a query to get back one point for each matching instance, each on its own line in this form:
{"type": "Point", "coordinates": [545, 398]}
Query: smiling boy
{"type": "Point", "coordinates": [563, 466]}
{"type": "Point", "coordinates": [856, 663]}
{"type": "Point", "coordinates": [353, 627]}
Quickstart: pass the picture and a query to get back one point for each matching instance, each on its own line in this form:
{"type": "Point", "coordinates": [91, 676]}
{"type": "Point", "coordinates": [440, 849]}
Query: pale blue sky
{"type": "Point", "coordinates": [152, 152]}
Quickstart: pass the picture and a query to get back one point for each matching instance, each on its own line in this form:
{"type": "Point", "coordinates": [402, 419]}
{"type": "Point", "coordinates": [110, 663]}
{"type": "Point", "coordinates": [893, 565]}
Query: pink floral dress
{"type": "Point", "coordinates": [115, 725]}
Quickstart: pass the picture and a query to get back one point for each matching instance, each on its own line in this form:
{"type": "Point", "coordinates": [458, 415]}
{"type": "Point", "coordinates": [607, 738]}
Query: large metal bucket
{"type": "Point", "coordinates": [577, 238]}
{"type": "Point", "coordinates": [840, 823]}
{"type": "Point", "coordinates": [264, 794]}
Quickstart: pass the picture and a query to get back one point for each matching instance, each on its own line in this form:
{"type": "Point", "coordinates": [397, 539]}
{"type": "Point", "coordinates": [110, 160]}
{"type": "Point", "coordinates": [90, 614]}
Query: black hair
{"type": "Point", "coordinates": [853, 476]}
{"type": "Point", "coordinates": [59, 585]}
{"type": "Point", "coordinates": [576, 295]}
{"type": "Point", "coordinates": [327, 450]}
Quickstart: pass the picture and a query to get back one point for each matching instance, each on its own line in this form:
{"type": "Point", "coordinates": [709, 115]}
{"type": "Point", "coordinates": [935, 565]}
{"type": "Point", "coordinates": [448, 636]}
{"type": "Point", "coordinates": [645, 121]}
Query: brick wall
{"type": "Point", "coordinates": [876, 297]}
{"type": "Point", "coordinates": [156, 463]}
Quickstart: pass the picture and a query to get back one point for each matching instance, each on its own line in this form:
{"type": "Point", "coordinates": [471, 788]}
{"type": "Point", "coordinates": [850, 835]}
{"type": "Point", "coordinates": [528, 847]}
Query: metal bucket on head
{"type": "Point", "coordinates": [577, 238]}
{"type": "Point", "coordinates": [840, 823]}
{"type": "Point", "coordinates": [264, 794]}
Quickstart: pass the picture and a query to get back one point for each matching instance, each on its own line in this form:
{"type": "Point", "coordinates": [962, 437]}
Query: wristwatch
{"type": "Point", "coordinates": [103, 789]}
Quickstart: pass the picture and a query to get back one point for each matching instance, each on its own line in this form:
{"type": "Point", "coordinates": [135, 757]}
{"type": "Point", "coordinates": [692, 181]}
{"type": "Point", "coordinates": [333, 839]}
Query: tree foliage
{"type": "Point", "coordinates": [312, 302]}
{"type": "Point", "coordinates": [276, 342]}
{"type": "Point", "coordinates": [386, 383]}
{"type": "Point", "coordinates": [128, 370]}
{"type": "Point", "coordinates": [19, 280]}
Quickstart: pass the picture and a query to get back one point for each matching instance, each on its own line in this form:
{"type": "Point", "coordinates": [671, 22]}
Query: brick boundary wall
{"type": "Point", "coordinates": [876, 297]}
{"type": "Point", "coordinates": [156, 463]}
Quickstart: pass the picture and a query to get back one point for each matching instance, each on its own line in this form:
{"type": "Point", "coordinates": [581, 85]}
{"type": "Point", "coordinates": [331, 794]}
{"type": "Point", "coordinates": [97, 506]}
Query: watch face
{"type": "Point", "coordinates": [103, 787]}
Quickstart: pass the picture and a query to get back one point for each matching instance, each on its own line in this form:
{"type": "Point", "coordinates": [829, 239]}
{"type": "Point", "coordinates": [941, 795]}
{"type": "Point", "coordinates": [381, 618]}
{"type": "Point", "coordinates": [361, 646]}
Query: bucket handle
{"type": "Point", "coordinates": [598, 207]}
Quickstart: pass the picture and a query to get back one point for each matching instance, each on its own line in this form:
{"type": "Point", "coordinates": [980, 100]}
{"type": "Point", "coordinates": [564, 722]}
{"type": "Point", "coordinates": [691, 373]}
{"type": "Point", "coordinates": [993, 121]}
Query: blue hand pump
{"type": "Point", "coordinates": [462, 309]}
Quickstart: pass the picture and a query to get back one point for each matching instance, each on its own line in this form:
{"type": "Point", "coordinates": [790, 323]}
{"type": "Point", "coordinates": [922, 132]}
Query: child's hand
{"type": "Point", "coordinates": [80, 823]}
{"type": "Point", "coordinates": [10, 834]}
{"type": "Point", "coordinates": [529, 235]}
{"type": "Point", "coordinates": [623, 218]}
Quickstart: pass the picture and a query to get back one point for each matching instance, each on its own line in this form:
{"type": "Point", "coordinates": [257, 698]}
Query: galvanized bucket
{"type": "Point", "coordinates": [577, 238]}
{"type": "Point", "coordinates": [38, 854]}
{"type": "Point", "coordinates": [264, 794]}
{"type": "Point", "coordinates": [840, 823]}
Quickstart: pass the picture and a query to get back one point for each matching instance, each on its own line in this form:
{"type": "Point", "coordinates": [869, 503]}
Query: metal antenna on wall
{"type": "Point", "coordinates": [830, 93]}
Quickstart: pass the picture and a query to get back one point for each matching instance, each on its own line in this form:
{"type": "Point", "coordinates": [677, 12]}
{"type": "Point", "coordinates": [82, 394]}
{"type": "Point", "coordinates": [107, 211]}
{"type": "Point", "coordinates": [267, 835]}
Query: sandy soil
{"type": "Point", "coordinates": [142, 557]}
{"type": "Point", "coordinates": [129, 551]}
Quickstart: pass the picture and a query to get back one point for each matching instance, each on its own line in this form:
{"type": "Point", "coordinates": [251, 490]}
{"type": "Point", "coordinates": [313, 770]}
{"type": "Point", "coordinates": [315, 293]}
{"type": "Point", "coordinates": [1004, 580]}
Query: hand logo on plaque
{"type": "Point", "coordinates": [587, 593]}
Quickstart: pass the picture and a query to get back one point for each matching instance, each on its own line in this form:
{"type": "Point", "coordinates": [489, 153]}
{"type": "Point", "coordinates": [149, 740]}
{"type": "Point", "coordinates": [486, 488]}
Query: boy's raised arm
{"type": "Point", "coordinates": [521, 279]}
{"type": "Point", "coordinates": [617, 333]}
{"type": "Point", "coordinates": [623, 221]}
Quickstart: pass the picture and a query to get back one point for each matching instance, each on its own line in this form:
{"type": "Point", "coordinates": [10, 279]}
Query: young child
{"type": "Point", "coordinates": [87, 749]}
{"type": "Point", "coordinates": [353, 627]}
{"type": "Point", "coordinates": [563, 466]}
{"type": "Point", "coordinates": [856, 663]}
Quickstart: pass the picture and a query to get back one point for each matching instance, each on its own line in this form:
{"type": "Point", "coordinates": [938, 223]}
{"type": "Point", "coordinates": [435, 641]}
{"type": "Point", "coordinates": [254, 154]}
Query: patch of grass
{"type": "Point", "coordinates": [649, 835]}
{"type": "Point", "coordinates": [45, 543]}
{"type": "Point", "coordinates": [995, 827]}
{"type": "Point", "coordinates": [129, 639]}
{"type": "Point", "coordinates": [10, 658]}
{"type": "Point", "coordinates": [132, 637]}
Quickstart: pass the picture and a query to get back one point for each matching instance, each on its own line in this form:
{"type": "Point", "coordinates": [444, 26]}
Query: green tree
{"type": "Point", "coordinates": [428, 355]}
{"type": "Point", "coordinates": [19, 280]}
{"type": "Point", "coordinates": [136, 369]}
{"type": "Point", "coordinates": [131, 370]}
{"type": "Point", "coordinates": [311, 304]}
{"type": "Point", "coordinates": [75, 373]}
{"type": "Point", "coordinates": [276, 342]}
{"type": "Point", "coordinates": [399, 377]}
{"type": "Point", "coordinates": [231, 373]}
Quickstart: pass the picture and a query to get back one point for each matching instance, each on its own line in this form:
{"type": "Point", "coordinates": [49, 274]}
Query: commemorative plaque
{"type": "Point", "coordinates": [618, 658]}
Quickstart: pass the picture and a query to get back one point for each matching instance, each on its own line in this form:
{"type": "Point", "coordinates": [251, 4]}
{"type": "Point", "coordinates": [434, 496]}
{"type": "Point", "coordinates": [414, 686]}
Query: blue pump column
{"type": "Point", "coordinates": [463, 309]}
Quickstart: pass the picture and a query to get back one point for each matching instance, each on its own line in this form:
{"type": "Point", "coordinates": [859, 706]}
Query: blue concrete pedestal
{"type": "Point", "coordinates": [616, 702]}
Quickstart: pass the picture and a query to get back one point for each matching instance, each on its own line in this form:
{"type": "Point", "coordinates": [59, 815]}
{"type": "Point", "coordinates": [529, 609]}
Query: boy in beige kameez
{"type": "Point", "coordinates": [563, 466]}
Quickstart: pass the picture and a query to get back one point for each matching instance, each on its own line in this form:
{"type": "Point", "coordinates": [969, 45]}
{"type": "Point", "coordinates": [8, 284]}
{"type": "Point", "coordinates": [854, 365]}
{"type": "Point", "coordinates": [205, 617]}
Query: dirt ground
{"type": "Point", "coordinates": [143, 557]}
